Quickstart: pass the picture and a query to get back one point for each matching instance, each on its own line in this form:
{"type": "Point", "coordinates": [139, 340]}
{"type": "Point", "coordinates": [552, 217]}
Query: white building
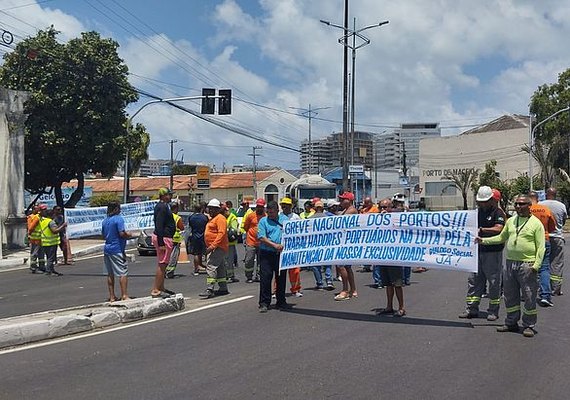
{"type": "Point", "coordinates": [500, 140]}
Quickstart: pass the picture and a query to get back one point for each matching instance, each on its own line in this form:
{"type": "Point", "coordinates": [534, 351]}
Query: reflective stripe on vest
{"type": "Point", "coordinates": [37, 232]}
{"type": "Point", "coordinates": [177, 237]}
{"type": "Point", "coordinates": [48, 237]}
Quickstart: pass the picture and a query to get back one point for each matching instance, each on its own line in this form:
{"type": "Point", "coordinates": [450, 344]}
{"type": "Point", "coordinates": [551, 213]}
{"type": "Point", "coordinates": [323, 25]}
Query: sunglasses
{"type": "Point", "coordinates": [521, 204]}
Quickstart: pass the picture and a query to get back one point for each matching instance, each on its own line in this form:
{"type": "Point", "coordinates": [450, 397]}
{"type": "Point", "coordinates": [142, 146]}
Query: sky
{"type": "Point", "coordinates": [456, 62]}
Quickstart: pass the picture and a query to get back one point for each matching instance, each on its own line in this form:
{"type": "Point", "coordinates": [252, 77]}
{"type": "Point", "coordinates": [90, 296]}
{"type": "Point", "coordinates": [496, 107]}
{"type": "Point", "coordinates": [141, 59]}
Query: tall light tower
{"type": "Point", "coordinates": [348, 40]}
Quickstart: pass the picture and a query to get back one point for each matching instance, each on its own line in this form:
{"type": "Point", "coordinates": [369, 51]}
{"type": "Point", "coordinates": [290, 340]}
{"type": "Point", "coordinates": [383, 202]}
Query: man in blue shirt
{"type": "Point", "coordinates": [269, 233]}
{"type": "Point", "coordinates": [113, 229]}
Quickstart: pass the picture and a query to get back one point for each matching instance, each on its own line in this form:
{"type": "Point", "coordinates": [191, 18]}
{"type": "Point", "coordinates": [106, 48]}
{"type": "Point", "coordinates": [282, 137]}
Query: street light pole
{"type": "Point", "coordinates": [129, 126]}
{"type": "Point", "coordinates": [531, 147]}
{"type": "Point", "coordinates": [309, 113]}
{"type": "Point", "coordinates": [344, 40]}
{"type": "Point", "coordinates": [171, 185]}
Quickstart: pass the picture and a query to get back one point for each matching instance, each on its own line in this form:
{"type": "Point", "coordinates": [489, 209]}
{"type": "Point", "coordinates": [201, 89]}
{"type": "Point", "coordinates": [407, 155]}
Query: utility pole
{"type": "Point", "coordinates": [254, 155]}
{"type": "Point", "coordinates": [345, 102]}
{"type": "Point", "coordinates": [172, 141]}
{"type": "Point", "coordinates": [404, 166]}
{"type": "Point", "coordinates": [310, 113]}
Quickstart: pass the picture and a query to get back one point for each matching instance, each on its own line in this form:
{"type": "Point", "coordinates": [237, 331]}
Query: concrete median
{"type": "Point", "coordinates": [17, 331]}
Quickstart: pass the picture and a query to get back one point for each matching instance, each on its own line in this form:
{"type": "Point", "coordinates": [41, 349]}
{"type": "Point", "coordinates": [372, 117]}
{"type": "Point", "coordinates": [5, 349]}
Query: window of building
{"type": "Point", "coordinates": [440, 189]}
{"type": "Point", "coordinates": [271, 193]}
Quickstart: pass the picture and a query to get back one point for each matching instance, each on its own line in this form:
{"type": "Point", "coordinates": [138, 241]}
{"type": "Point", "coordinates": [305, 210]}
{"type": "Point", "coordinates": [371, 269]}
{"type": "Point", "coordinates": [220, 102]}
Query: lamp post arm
{"type": "Point", "coordinates": [532, 138]}
{"type": "Point", "coordinates": [372, 26]}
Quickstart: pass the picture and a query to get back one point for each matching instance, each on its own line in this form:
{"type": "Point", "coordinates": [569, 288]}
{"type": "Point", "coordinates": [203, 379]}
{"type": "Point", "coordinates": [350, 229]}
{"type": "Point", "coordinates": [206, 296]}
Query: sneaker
{"type": "Point", "coordinates": [273, 296]}
{"type": "Point", "coordinates": [249, 280]}
{"type": "Point", "coordinates": [492, 317]}
{"type": "Point", "coordinates": [528, 332]}
{"type": "Point", "coordinates": [545, 303]}
{"type": "Point", "coordinates": [263, 308]}
{"type": "Point", "coordinates": [208, 293]}
{"type": "Point", "coordinates": [169, 275]}
{"type": "Point", "coordinates": [196, 273]}
{"type": "Point", "coordinates": [467, 315]}
{"type": "Point", "coordinates": [298, 294]}
{"type": "Point", "coordinates": [233, 280]}
{"type": "Point", "coordinates": [319, 287]}
{"type": "Point", "coordinates": [256, 279]}
{"type": "Point", "coordinates": [221, 292]}
{"type": "Point", "coordinates": [330, 286]}
{"type": "Point", "coordinates": [283, 306]}
{"type": "Point", "coordinates": [508, 328]}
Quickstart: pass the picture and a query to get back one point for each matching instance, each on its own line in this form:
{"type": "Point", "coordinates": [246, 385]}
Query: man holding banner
{"type": "Point", "coordinates": [524, 235]}
{"type": "Point", "coordinates": [491, 222]}
{"type": "Point", "coordinates": [346, 272]}
{"type": "Point", "coordinates": [270, 233]}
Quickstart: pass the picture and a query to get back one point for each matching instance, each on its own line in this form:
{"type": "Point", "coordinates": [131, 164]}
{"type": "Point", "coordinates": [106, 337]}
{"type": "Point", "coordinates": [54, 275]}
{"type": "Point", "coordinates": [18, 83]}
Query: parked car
{"type": "Point", "coordinates": [144, 243]}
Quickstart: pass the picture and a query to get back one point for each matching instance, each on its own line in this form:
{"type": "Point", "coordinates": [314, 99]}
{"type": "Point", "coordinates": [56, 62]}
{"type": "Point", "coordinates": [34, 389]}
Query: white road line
{"type": "Point", "coordinates": [121, 327]}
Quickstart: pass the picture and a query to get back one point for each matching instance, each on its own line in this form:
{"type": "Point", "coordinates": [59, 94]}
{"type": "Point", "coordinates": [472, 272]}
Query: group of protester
{"type": "Point", "coordinates": [532, 236]}
{"type": "Point", "coordinates": [534, 244]}
{"type": "Point", "coordinates": [46, 232]}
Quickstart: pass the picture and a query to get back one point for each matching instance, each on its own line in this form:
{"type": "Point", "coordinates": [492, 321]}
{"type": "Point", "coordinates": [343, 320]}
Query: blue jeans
{"type": "Point", "coordinates": [319, 275]}
{"type": "Point", "coordinates": [376, 275]}
{"type": "Point", "coordinates": [406, 274]}
{"type": "Point", "coordinates": [544, 274]}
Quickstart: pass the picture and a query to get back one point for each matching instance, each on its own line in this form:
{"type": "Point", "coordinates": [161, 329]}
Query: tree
{"type": "Point", "coordinates": [77, 120]}
{"type": "Point", "coordinates": [552, 140]}
{"type": "Point", "coordinates": [489, 177]}
{"type": "Point", "coordinates": [183, 169]}
{"type": "Point", "coordinates": [462, 180]}
{"type": "Point", "coordinates": [103, 199]}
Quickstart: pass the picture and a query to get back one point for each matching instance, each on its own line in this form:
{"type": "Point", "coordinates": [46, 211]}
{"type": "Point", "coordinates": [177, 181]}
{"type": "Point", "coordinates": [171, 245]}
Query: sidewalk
{"type": "Point", "coordinates": [18, 259]}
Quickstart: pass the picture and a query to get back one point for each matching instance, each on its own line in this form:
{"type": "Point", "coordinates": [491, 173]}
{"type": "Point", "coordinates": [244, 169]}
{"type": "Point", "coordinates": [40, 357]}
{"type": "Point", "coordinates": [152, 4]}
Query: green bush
{"type": "Point", "coordinates": [103, 199]}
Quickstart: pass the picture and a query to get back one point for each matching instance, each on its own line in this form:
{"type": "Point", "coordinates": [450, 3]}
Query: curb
{"type": "Point", "coordinates": [22, 262]}
{"type": "Point", "coordinates": [17, 331]}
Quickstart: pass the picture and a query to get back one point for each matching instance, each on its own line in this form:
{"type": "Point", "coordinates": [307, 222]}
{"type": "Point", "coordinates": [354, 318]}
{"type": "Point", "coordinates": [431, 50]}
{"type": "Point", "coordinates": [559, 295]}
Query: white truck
{"type": "Point", "coordinates": [307, 187]}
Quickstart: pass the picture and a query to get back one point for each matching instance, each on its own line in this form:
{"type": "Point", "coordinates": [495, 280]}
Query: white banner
{"type": "Point", "coordinates": [83, 222]}
{"type": "Point", "coordinates": [409, 239]}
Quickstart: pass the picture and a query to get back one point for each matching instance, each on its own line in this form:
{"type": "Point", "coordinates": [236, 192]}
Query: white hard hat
{"type": "Point", "coordinates": [214, 203]}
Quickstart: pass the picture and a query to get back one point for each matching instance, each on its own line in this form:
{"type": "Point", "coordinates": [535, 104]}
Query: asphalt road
{"type": "Point", "coordinates": [322, 349]}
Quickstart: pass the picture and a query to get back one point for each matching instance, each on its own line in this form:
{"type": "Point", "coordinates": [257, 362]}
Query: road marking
{"type": "Point", "coordinates": [121, 327]}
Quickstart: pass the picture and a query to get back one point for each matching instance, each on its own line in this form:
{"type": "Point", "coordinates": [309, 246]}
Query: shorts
{"type": "Point", "coordinates": [197, 246]}
{"type": "Point", "coordinates": [163, 254]}
{"type": "Point", "coordinates": [391, 276]}
{"type": "Point", "coordinates": [116, 264]}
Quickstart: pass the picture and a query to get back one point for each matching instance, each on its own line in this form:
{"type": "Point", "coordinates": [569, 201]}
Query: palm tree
{"type": "Point", "coordinates": [463, 181]}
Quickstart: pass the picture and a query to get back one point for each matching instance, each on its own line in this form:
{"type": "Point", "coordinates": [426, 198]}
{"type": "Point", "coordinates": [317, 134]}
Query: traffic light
{"type": "Point", "coordinates": [225, 102]}
{"type": "Point", "coordinates": [208, 103]}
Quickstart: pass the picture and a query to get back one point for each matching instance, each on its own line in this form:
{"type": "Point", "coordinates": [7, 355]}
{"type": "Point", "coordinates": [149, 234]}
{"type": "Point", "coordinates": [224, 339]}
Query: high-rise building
{"type": "Point", "coordinates": [403, 144]}
{"type": "Point", "coordinates": [328, 152]}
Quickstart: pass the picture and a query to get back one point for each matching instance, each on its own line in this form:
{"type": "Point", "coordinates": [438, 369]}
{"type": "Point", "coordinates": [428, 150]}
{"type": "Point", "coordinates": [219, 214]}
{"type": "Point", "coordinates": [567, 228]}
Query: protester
{"type": "Point", "coordinates": [270, 231]}
{"type": "Point", "coordinates": [176, 241]}
{"type": "Point", "coordinates": [524, 235]}
{"type": "Point", "coordinates": [308, 210]}
{"type": "Point", "coordinates": [392, 279]}
{"type": "Point", "coordinates": [399, 205]}
{"type": "Point", "coordinates": [37, 256]}
{"type": "Point", "coordinates": [233, 232]}
{"type": "Point", "coordinates": [196, 246]}
{"type": "Point", "coordinates": [558, 209]}
{"type": "Point", "coordinates": [250, 223]}
{"type": "Point", "coordinates": [317, 269]}
{"type": "Point", "coordinates": [50, 240]}
{"type": "Point", "coordinates": [491, 221]}
{"type": "Point", "coordinates": [230, 206]}
{"type": "Point", "coordinates": [294, 273]}
{"type": "Point", "coordinates": [368, 207]}
{"type": "Point", "coordinates": [164, 229]}
{"type": "Point", "coordinates": [543, 213]}
{"type": "Point", "coordinates": [63, 243]}
{"type": "Point", "coordinates": [216, 238]}
{"type": "Point", "coordinates": [346, 273]}
{"type": "Point", "coordinates": [113, 230]}
{"type": "Point", "coordinates": [384, 206]}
